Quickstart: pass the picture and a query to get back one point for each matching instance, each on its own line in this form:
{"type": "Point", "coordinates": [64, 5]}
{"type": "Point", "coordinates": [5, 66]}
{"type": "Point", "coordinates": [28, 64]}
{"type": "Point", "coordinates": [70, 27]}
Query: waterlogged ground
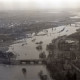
{"type": "Point", "coordinates": [26, 49]}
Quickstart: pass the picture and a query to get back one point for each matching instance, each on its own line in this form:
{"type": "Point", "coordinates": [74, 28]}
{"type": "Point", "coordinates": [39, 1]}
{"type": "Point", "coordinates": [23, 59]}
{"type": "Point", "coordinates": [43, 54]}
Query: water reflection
{"type": "Point", "coordinates": [15, 72]}
{"type": "Point", "coordinates": [30, 48]}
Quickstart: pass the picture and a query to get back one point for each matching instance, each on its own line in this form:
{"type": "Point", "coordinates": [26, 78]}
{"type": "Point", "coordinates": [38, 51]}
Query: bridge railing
{"type": "Point", "coordinates": [34, 62]}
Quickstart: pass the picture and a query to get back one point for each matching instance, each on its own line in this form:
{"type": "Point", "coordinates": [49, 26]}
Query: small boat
{"type": "Point", "coordinates": [61, 30]}
{"type": "Point", "coordinates": [66, 30]}
{"type": "Point", "coordinates": [37, 43]}
{"type": "Point", "coordinates": [39, 47]}
{"type": "Point", "coordinates": [33, 40]}
{"type": "Point", "coordinates": [23, 44]}
{"type": "Point", "coordinates": [41, 42]}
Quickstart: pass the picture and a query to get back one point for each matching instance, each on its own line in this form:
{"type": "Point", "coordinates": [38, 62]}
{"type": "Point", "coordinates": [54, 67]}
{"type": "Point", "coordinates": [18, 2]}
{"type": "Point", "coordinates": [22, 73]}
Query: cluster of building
{"type": "Point", "coordinates": [69, 48]}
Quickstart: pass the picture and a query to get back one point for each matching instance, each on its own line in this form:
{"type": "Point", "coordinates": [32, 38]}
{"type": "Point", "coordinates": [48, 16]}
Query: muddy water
{"type": "Point", "coordinates": [26, 49]}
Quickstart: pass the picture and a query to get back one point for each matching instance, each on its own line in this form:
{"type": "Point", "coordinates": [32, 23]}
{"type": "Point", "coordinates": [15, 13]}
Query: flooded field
{"type": "Point", "coordinates": [26, 49]}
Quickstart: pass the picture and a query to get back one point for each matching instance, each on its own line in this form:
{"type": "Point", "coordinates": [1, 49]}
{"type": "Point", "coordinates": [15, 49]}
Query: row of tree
{"type": "Point", "coordinates": [6, 57]}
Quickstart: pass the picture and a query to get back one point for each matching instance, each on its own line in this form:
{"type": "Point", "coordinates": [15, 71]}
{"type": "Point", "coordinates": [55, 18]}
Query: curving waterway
{"type": "Point", "coordinates": [26, 49]}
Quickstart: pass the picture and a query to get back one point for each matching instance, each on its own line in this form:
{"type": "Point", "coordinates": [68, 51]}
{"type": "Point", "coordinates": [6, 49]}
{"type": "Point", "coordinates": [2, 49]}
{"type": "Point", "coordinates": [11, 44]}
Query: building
{"type": "Point", "coordinates": [68, 45]}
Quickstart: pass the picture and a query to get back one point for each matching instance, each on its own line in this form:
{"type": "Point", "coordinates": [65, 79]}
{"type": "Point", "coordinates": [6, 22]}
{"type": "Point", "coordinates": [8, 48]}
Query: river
{"type": "Point", "coordinates": [26, 49]}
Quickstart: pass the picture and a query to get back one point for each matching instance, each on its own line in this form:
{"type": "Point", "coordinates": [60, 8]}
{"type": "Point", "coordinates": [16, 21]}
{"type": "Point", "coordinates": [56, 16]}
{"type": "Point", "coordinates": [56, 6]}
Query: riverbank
{"type": "Point", "coordinates": [28, 51]}
{"type": "Point", "coordinates": [57, 66]}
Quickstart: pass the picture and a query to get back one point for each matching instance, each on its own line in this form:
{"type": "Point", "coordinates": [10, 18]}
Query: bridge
{"type": "Point", "coordinates": [32, 62]}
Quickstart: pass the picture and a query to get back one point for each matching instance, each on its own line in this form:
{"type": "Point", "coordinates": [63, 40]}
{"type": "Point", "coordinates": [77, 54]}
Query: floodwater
{"type": "Point", "coordinates": [26, 49]}
{"type": "Point", "coordinates": [15, 72]}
